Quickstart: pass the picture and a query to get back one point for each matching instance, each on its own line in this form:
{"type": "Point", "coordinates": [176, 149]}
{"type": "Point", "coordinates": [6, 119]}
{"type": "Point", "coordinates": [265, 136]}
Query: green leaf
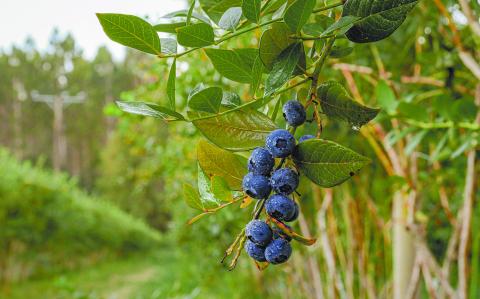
{"type": "Point", "coordinates": [230, 99]}
{"type": "Point", "coordinates": [257, 71]}
{"type": "Point", "coordinates": [192, 198]}
{"type": "Point", "coordinates": [205, 190]}
{"type": "Point", "coordinates": [339, 52]}
{"type": "Point", "coordinates": [169, 27]}
{"type": "Point", "coordinates": [273, 42]}
{"type": "Point", "coordinates": [327, 163]}
{"type": "Point", "coordinates": [385, 97]}
{"type": "Point", "coordinates": [171, 84]}
{"type": "Point", "coordinates": [230, 65]}
{"type": "Point", "coordinates": [185, 13]}
{"type": "Point", "coordinates": [283, 68]}
{"type": "Point", "coordinates": [337, 103]}
{"type": "Point", "coordinates": [196, 35]}
{"type": "Point", "coordinates": [169, 46]}
{"type": "Point", "coordinates": [216, 8]}
{"type": "Point", "coordinates": [207, 100]}
{"type": "Point", "coordinates": [251, 10]}
{"type": "Point", "coordinates": [230, 18]}
{"type": "Point", "coordinates": [343, 24]}
{"type": "Point", "coordinates": [377, 20]}
{"type": "Point", "coordinates": [220, 189]}
{"type": "Point", "coordinates": [298, 14]}
{"type": "Point", "coordinates": [130, 31]}
{"type": "Point", "coordinates": [149, 109]}
{"type": "Point", "coordinates": [190, 12]}
{"type": "Point", "coordinates": [414, 142]}
{"type": "Point", "coordinates": [412, 111]}
{"type": "Point", "coordinates": [238, 130]}
{"type": "Point", "coordinates": [218, 162]}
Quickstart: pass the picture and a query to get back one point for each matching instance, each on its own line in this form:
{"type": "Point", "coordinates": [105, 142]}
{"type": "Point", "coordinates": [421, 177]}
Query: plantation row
{"type": "Point", "coordinates": [48, 224]}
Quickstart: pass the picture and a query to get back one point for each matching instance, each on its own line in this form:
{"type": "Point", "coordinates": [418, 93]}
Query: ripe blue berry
{"type": "Point", "coordinates": [294, 113]}
{"type": "Point", "coordinates": [294, 215]}
{"type": "Point", "coordinates": [306, 137]}
{"type": "Point", "coordinates": [259, 232]}
{"type": "Point", "coordinates": [284, 181]}
{"type": "Point", "coordinates": [254, 251]}
{"type": "Point", "coordinates": [280, 207]}
{"type": "Point", "coordinates": [278, 251]}
{"type": "Point", "coordinates": [261, 161]}
{"type": "Point", "coordinates": [256, 185]}
{"type": "Point", "coordinates": [278, 233]}
{"type": "Point", "coordinates": [280, 143]}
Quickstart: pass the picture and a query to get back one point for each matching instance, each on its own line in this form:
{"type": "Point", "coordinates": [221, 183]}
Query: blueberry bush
{"type": "Point", "coordinates": [297, 40]}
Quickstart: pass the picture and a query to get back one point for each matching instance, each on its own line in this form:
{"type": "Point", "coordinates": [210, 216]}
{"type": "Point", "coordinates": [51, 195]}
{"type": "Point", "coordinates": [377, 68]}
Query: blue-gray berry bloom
{"type": "Point", "coordinates": [284, 181]}
{"type": "Point", "coordinates": [259, 232]}
{"type": "Point", "coordinates": [306, 137]}
{"type": "Point", "coordinates": [280, 143]}
{"type": "Point", "coordinates": [294, 113]}
{"type": "Point", "coordinates": [278, 251]}
{"type": "Point", "coordinates": [256, 185]}
{"type": "Point", "coordinates": [254, 251]}
{"type": "Point", "coordinates": [280, 207]}
{"type": "Point", "coordinates": [261, 161]}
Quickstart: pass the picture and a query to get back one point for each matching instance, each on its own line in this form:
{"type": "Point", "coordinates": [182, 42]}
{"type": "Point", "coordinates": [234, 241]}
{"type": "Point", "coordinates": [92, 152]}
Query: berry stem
{"type": "Point", "coordinates": [229, 36]}
{"type": "Point", "coordinates": [260, 209]}
{"type": "Point", "coordinates": [254, 102]}
{"type": "Point", "coordinates": [231, 248]}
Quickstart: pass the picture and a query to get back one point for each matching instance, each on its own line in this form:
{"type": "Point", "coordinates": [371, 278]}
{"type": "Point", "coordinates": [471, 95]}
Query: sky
{"type": "Point", "coordinates": [38, 18]}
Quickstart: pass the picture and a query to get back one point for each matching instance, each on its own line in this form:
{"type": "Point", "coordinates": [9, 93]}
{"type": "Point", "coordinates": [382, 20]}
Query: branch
{"type": "Point", "coordinates": [228, 36]}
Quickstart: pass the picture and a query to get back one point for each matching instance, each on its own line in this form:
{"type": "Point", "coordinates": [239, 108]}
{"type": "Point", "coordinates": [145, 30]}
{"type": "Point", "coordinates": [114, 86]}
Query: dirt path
{"type": "Point", "coordinates": [125, 285]}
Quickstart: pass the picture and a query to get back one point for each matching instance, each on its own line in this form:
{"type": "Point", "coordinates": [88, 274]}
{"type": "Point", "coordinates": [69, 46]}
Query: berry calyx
{"type": "Point", "coordinates": [259, 232]}
{"type": "Point", "coordinates": [261, 161]}
{"type": "Point", "coordinates": [284, 181]}
{"type": "Point", "coordinates": [294, 113]}
{"type": "Point", "coordinates": [280, 207]}
{"type": "Point", "coordinates": [280, 143]}
{"type": "Point", "coordinates": [256, 186]}
{"type": "Point", "coordinates": [278, 251]}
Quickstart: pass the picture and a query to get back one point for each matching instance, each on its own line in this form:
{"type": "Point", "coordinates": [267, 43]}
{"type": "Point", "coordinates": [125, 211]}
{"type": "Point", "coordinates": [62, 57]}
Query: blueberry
{"type": "Point", "coordinates": [259, 232]}
{"type": "Point", "coordinates": [294, 113]}
{"type": "Point", "coordinates": [280, 143]}
{"type": "Point", "coordinates": [294, 215]}
{"type": "Point", "coordinates": [256, 185]}
{"type": "Point", "coordinates": [280, 207]}
{"type": "Point", "coordinates": [284, 181]}
{"type": "Point", "coordinates": [306, 137]}
{"type": "Point", "coordinates": [254, 251]}
{"type": "Point", "coordinates": [278, 233]}
{"type": "Point", "coordinates": [261, 161]}
{"type": "Point", "coordinates": [278, 251]}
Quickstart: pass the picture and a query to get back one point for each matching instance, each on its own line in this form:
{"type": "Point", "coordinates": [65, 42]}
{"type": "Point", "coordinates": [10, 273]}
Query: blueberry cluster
{"type": "Point", "coordinates": [265, 244]}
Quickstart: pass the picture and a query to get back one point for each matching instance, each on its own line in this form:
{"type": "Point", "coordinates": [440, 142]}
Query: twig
{"type": "Point", "coordinates": [414, 280]}
{"type": "Point", "coordinates": [468, 194]}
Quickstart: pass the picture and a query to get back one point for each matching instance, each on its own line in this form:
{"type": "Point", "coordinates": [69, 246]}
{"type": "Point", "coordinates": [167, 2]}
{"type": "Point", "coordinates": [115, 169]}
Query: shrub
{"type": "Point", "coordinates": [47, 222]}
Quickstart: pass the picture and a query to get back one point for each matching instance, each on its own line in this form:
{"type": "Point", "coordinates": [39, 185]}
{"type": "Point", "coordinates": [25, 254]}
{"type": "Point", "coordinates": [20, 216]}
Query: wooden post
{"type": "Point", "coordinates": [58, 103]}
